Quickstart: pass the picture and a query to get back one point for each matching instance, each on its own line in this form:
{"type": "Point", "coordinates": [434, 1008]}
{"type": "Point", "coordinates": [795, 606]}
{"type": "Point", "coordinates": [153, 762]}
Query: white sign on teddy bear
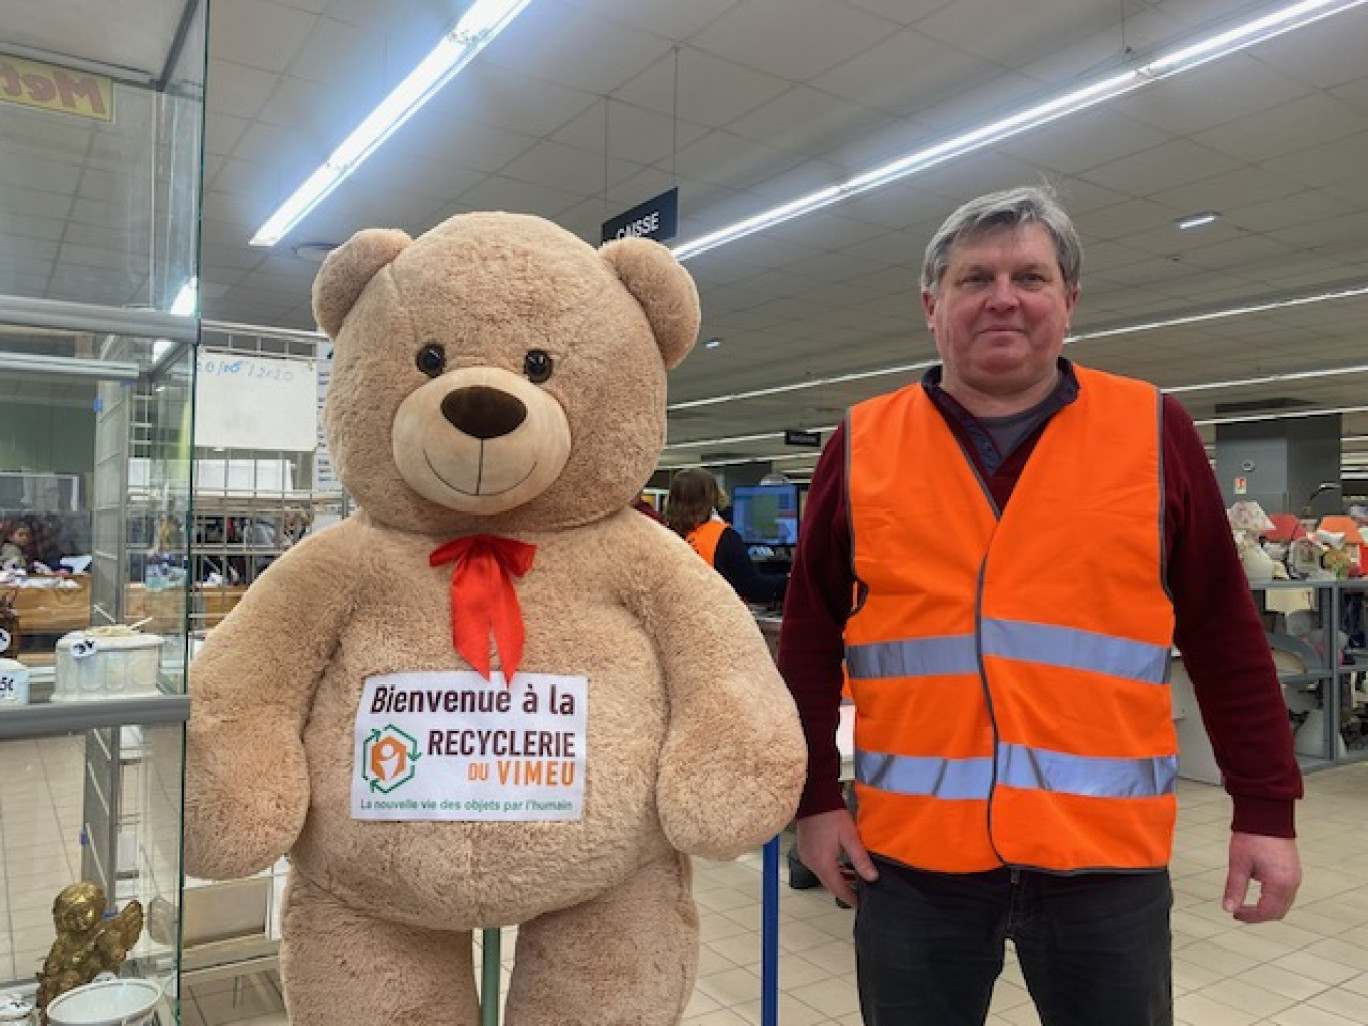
{"type": "Point", "coordinates": [497, 694]}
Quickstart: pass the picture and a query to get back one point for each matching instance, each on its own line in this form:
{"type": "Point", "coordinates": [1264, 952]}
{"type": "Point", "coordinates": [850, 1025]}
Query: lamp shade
{"type": "Point", "coordinates": [1248, 515]}
{"type": "Point", "coordinates": [1342, 525]}
{"type": "Point", "coordinates": [1286, 528]}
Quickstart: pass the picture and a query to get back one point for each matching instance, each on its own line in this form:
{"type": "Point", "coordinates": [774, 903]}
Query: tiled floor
{"type": "Point", "coordinates": [1311, 970]}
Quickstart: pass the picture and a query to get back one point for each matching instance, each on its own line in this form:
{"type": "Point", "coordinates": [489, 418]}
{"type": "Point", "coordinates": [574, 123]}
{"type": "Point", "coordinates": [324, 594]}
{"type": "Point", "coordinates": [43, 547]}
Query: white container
{"type": "Point", "coordinates": [14, 690]}
{"type": "Point", "coordinates": [119, 1002]}
{"type": "Point", "coordinates": [98, 664]}
{"type": "Point", "coordinates": [15, 1009]}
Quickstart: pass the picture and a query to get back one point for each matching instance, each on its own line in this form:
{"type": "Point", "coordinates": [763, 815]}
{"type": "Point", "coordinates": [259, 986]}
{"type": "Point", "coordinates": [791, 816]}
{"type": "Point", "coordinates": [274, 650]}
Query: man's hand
{"type": "Point", "coordinates": [821, 840]}
{"type": "Point", "coordinates": [1272, 861]}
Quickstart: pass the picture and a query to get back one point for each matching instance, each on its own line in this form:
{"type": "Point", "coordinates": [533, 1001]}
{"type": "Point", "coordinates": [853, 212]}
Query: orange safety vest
{"type": "Point", "coordinates": [704, 539]}
{"type": "Point", "coordinates": [1010, 670]}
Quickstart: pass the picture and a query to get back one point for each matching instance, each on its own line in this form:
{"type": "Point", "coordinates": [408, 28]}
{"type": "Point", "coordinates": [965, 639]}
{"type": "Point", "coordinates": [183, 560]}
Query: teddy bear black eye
{"type": "Point", "coordinates": [537, 365]}
{"type": "Point", "coordinates": [431, 360]}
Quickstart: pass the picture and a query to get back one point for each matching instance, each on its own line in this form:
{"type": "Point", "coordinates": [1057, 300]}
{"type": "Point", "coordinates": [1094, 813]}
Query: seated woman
{"type": "Point", "coordinates": [16, 545]}
{"type": "Point", "coordinates": [691, 512]}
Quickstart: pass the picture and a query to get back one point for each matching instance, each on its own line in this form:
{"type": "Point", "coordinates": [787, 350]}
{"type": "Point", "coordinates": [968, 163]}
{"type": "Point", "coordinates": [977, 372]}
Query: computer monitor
{"type": "Point", "coordinates": [766, 514]}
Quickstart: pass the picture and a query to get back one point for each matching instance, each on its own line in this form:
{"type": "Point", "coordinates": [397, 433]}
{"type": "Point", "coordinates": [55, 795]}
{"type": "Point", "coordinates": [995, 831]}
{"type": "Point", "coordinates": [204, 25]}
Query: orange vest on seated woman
{"type": "Point", "coordinates": [1010, 668]}
{"type": "Point", "coordinates": [704, 539]}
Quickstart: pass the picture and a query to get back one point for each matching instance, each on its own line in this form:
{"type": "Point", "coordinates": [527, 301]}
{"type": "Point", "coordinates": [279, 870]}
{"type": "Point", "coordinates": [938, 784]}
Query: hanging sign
{"type": "Point", "coordinates": [656, 219]}
{"type": "Point", "coordinates": [806, 439]}
{"type": "Point", "coordinates": [49, 87]}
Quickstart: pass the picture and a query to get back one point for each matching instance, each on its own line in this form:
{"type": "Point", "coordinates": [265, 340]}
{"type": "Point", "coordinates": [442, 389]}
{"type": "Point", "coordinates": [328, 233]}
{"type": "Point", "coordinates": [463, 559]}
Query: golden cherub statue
{"type": "Point", "coordinates": [87, 943]}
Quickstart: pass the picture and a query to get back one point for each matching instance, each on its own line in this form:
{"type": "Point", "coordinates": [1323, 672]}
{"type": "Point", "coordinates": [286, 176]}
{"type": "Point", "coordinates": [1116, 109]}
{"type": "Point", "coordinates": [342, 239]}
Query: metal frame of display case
{"type": "Point", "coordinates": [1328, 684]}
{"type": "Point", "coordinates": [86, 320]}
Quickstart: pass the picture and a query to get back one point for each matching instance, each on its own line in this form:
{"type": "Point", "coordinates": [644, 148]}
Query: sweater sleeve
{"type": "Point", "coordinates": [733, 562]}
{"type": "Point", "coordinates": [811, 639]}
{"type": "Point", "coordinates": [1218, 630]}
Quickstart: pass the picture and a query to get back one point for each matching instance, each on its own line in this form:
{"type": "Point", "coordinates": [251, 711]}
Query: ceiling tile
{"type": "Point", "coordinates": [550, 39]}
{"type": "Point", "coordinates": [704, 89]}
{"type": "Point", "coordinates": [1212, 95]}
{"type": "Point", "coordinates": [237, 89]}
{"type": "Point", "coordinates": [1325, 54]}
{"type": "Point", "coordinates": [240, 38]}
{"type": "Point", "coordinates": [904, 72]}
{"type": "Point", "coordinates": [792, 39]}
{"type": "Point", "coordinates": [1165, 166]}
{"type": "Point", "coordinates": [1313, 120]}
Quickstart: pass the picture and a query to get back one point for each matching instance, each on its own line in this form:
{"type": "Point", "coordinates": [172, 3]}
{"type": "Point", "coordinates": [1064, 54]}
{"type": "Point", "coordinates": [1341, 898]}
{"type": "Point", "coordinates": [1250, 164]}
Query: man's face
{"type": "Point", "coordinates": [1000, 314]}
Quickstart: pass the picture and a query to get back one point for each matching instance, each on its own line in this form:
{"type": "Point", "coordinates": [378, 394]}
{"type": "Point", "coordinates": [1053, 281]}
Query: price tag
{"type": "Point", "coordinates": [83, 648]}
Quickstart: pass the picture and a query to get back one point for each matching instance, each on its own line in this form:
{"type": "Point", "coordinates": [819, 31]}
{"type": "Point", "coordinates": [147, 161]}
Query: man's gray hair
{"type": "Point", "coordinates": [1011, 208]}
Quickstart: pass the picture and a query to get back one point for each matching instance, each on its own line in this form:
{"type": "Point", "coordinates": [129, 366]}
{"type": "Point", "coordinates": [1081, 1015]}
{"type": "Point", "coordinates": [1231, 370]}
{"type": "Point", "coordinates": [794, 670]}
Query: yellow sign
{"type": "Point", "coordinates": [49, 87]}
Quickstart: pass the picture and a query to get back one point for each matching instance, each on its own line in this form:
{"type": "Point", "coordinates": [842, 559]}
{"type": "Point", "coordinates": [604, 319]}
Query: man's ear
{"type": "Point", "coordinates": [665, 290]}
{"type": "Point", "coordinates": [349, 269]}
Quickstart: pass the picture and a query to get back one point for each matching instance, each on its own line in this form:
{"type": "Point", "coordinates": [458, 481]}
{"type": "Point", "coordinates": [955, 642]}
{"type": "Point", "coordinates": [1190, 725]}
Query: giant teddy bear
{"type": "Point", "coordinates": [496, 694]}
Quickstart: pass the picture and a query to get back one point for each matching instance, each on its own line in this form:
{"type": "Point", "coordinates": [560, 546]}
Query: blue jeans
{"type": "Point", "coordinates": [1095, 948]}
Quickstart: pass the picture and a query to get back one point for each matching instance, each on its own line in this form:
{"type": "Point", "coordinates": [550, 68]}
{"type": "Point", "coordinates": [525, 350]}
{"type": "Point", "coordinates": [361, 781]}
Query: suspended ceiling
{"type": "Point", "coordinates": [585, 108]}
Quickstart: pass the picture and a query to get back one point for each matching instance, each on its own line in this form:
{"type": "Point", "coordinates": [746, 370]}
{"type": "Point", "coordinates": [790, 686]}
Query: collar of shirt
{"type": "Point", "coordinates": [1065, 392]}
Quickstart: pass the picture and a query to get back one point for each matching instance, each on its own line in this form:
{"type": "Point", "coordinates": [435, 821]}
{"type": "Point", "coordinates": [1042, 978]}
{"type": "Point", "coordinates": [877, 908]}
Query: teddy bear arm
{"type": "Point", "coordinates": [734, 758]}
{"type": "Point", "coordinates": [251, 688]}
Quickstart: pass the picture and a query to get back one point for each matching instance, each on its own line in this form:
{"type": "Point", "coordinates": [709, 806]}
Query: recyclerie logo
{"type": "Point", "coordinates": [389, 759]}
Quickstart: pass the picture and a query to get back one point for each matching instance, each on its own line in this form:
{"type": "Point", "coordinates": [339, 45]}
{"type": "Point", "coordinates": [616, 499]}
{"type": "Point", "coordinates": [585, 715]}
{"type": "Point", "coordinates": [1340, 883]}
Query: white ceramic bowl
{"type": "Point", "coordinates": [123, 1002]}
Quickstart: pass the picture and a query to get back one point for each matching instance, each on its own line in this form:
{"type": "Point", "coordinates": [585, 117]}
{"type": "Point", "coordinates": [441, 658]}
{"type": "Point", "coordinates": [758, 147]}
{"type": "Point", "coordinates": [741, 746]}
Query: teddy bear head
{"type": "Point", "coordinates": [498, 373]}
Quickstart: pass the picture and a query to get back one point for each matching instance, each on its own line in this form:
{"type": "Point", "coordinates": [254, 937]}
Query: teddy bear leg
{"type": "Point", "coordinates": [625, 958]}
{"type": "Point", "coordinates": [341, 967]}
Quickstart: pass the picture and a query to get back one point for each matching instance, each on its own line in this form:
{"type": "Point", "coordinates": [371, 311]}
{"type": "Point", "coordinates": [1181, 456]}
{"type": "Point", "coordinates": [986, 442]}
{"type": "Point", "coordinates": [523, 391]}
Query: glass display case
{"type": "Point", "coordinates": [101, 113]}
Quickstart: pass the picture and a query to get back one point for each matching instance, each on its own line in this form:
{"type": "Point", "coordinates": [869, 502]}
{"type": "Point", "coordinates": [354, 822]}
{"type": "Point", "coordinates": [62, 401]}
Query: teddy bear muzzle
{"type": "Point", "coordinates": [480, 440]}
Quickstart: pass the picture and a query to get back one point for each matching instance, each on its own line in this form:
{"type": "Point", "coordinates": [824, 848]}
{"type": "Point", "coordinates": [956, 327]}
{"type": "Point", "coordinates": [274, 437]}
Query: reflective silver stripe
{"type": "Point", "coordinates": [1018, 766]}
{"type": "Point", "coordinates": [916, 657]}
{"type": "Point", "coordinates": [1076, 650]}
{"type": "Point", "coordinates": [1012, 639]}
{"type": "Point", "coordinates": [1093, 776]}
{"type": "Point", "coordinates": [941, 778]}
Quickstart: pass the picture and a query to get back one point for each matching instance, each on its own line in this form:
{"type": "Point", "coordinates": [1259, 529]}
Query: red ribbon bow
{"type": "Point", "coordinates": [483, 598]}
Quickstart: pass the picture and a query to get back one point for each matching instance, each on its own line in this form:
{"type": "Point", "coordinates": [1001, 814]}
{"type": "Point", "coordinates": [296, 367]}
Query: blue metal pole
{"type": "Point", "coordinates": [769, 935]}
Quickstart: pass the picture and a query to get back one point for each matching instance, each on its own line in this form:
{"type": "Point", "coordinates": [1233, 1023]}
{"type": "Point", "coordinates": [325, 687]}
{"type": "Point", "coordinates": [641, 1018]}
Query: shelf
{"type": "Point", "coordinates": [46, 719]}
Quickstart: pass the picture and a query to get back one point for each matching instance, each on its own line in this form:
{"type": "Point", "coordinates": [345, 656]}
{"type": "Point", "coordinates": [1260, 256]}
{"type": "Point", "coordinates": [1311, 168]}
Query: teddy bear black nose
{"type": "Point", "coordinates": [483, 412]}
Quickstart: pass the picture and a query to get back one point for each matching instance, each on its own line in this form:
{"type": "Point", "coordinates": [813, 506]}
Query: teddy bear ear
{"type": "Point", "coordinates": [347, 270]}
{"type": "Point", "coordinates": [664, 289]}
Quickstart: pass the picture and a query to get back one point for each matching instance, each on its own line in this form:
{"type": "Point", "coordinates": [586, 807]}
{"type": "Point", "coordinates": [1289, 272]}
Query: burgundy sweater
{"type": "Point", "coordinates": [1217, 627]}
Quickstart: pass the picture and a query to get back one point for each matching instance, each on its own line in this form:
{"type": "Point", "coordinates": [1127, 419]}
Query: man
{"type": "Point", "coordinates": [1001, 557]}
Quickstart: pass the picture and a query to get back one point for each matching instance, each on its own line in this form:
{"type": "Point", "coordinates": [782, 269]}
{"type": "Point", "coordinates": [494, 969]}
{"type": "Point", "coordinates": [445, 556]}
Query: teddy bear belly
{"type": "Point", "coordinates": [466, 875]}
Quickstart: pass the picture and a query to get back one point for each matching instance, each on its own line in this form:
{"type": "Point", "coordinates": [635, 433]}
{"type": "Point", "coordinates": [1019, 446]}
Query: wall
{"type": "Point", "coordinates": [59, 437]}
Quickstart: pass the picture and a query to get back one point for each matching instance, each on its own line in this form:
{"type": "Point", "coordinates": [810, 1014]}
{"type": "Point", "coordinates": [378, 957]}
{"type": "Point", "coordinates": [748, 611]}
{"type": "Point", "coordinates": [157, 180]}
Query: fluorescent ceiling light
{"type": "Point", "coordinates": [722, 441]}
{"type": "Point", "coordinates": [482, 21]}
{"type": "Point", "coordinates": [1270, 379]}
{"type": "Point", "coordinates": [796, 386]}
{"type": "Point", "coordinates": [1286, 415]}
{"type": "Point", "coordinates": [1217, 315]}
{"type": "Point", "coordinates": [734, 439]}
{"type": "Point", "coordinates": [1128, 329]}
{"type": "Point", "coordinates": [1291, 17]}
{"type": "Point", "coordinates": [1196, 220]}
{"type": "Point", "coordinates": [735, 460]}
